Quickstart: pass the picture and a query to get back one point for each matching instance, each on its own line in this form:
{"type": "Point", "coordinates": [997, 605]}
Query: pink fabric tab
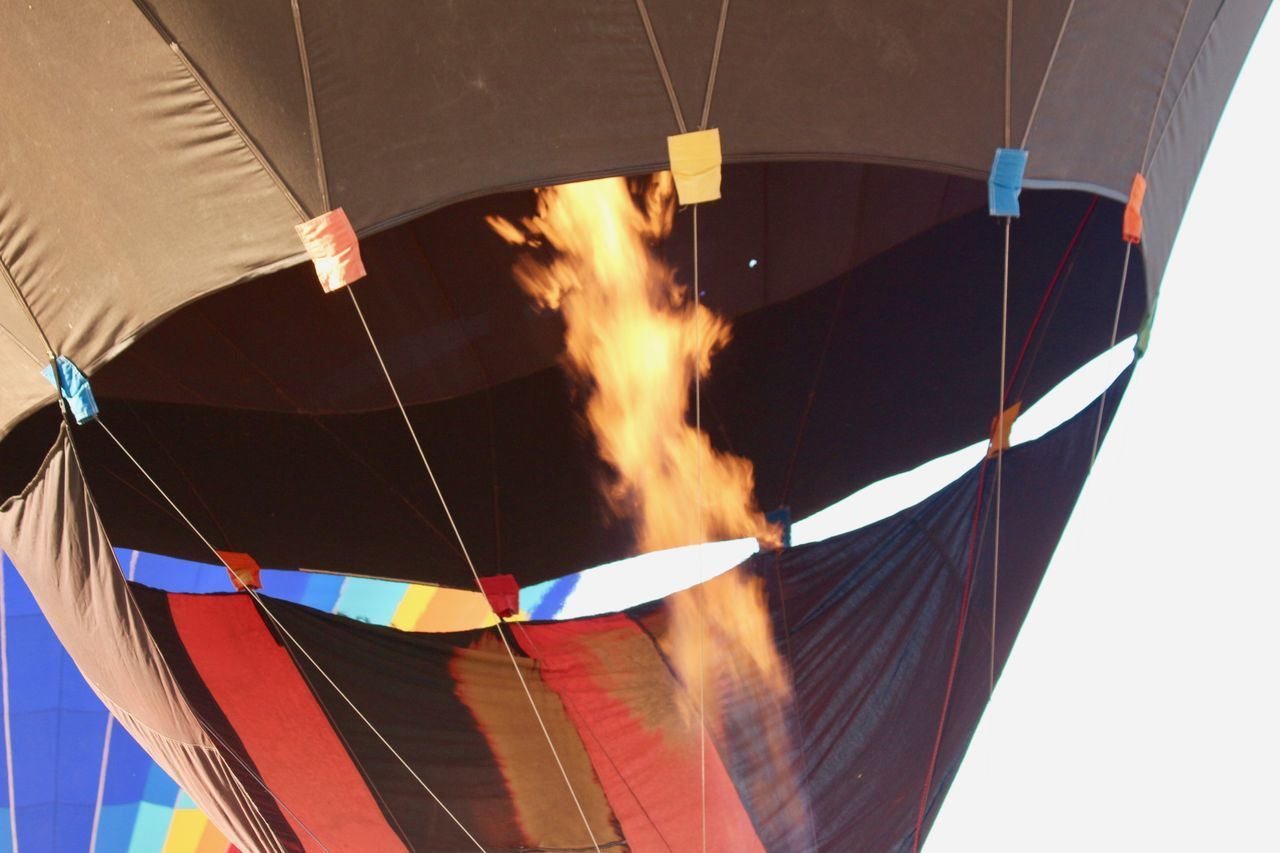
{"type": "Point", "coordinates": [331, 242]}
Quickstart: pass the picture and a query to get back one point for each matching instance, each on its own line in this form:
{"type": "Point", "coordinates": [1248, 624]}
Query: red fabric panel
{"type": "Point", "coordinates": [635, 723]}
{"type": "Point", "coordinates": [286, 733]}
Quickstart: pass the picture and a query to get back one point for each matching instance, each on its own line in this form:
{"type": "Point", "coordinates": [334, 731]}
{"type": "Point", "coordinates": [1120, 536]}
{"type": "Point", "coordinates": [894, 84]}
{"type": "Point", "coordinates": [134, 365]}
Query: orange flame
{"type": "Point", "coordinates": [633, 341]}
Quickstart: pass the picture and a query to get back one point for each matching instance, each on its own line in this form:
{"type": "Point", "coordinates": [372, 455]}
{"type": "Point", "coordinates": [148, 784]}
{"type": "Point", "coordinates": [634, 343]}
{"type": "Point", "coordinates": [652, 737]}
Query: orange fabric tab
{"type": "Point", "coordinates": [1133, 210]}
{"type": "Point", "coordinates": [1000, 437]}
{"type": "Point", "coordinates": [242, 569]}
{"type": "Point", "coordinates": [331, 243]}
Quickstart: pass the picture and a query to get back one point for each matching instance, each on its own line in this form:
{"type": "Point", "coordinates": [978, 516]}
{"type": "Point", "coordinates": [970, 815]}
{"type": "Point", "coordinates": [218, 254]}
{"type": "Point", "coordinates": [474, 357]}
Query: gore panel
{"type": "Point", "coordinates": [263, 705]}
{"type": "Point", "coordinates": [406, 684]}
{"type": "Point", "coordinates": [445, 308]}
{"type": "Point", "coordinates": [872, 621]}
{"type": "Point", "coordinates": [641, 730]}
{"type": "Point", "coordinates": [126, 191]}
{"type": "Point", "coordinates": [871, 374]}
{"type": "Point", "coordinates": [57, 542]}
{"type": "Point", "coordinates": [869, 622]}
{"type": "Point", "coordinates": [140, 190]}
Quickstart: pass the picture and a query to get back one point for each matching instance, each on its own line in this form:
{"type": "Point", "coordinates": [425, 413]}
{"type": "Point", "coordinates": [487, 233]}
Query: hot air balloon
{"type": "Point", "coordinates": [263, 307]}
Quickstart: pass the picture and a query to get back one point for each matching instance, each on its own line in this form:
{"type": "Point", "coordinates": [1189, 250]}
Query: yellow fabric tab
{"type": "Point", "coordinates": [695, 164]}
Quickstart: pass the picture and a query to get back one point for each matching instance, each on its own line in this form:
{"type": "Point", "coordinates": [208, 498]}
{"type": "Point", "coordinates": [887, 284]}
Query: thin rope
{"type": "Point", "coordinates": [285, 631]}
{"type": "Point", "coordinates": [1008, 72]}
{"type": "Point", "coordinates": [31, 314]}
{"type": "Point", "coordinates": [106, 744]}
{"type": "Point", "coordinates": [1044, 81]}
{"type": "Point", "coordinates": [34, 358]}
{"type": "Point", "coordinates": [582, 720]}
{"type": "Point", "coordinates": [1155, 111]}
{"type": "Point", "coordinates": [715, 65]}
{"type": "Point", "coordinates": [662, 65]}
{"type": "Point", "coordinates": [955, 653]}
{"type": "Point", "coordinates": [435, 484]}
{"type": "Point", "coordinates": [1115, 331]}
{"type": "Point", "coordinates": [1004, 355]}
{"type": "Point", "coordinates": [1128, 247]}
{"type": "Point", "coordinates": [995, 562]}
{"type": "Point", "coordinates": [313, 120]}
{"type": "Point", "coordinates": [1182, 89]}
{"type": "Point", "coordinates": [1044, 301]}
{"type": "Point", "coordinates": [102, 782]}
{"type": "Point", "coordinates": [252, 773]}
{"type": "Point", "coordinates": [698, 516]}
{"type": "Point", "coordinates": [215, 100]}
{"type": "Point", "coordinates": [8, 736]}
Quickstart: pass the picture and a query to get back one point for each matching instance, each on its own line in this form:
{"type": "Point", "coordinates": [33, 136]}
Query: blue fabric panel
{"type": "Point", "coordinates": [291, 586]}
{"type": "Point", "coordinates": [6, 832]}
{"type": "Point", "coordinates": [370, 600]}
{"type": "Point", "coordinates": [160, 789]}
{"type": "Point", "coordinates": [549, 598]}
{"type": "Point", "coordinates": [57, 726]}
{"type": "Point", "coordinates": [115, 826]}
{"type": "Point", "coordinates": [184, 802]}
{"type": "Point", "coordinates": [76, 391]}
{"type": "Point", "coordinates": [174, 575]}
{"type": "Point", "coordinates": [128, 767]}
{"type": "Point", "coordinates": [150, 828]}
{"type": "Point", "coordinates": [322, 592]}
{"type": "Point", "coordinates": [1005, 184]}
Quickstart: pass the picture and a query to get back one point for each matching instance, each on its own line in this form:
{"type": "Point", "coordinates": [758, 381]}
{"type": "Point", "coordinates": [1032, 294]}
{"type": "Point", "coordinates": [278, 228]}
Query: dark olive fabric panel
{"type": "Point", "coordinates": [1187, 124]}
{"type": "Point", "coordinates": [878, 371]}
{"type": "Point", "coordinates": [126, 192]}
{"type": "Point", "coordinates": [247, 52]}
{"type": "Point", "coordinates": [129, 192]}
{"type": "Point", "coordinates": [56, 540]}
{"type": "Point", "coordinates": [449, 316]}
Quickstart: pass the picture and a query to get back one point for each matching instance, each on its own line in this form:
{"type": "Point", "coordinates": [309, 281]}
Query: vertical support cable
{"type": "Point", "coordinates": [698, 516]}
{"type": "Point", "coordinates": [313, 119]}
{"type": "Point", "coordinates": [287, 635]}
{"type": "Point", "coordinates": [1128, 249]}
{"type": "Point", "coordinates": [8, 736]}
{"type": "Point", "coordinates": [1004, 346]}
{"type": "Point", "coordinates": [462, 545]}
{"type": "Point", "coordinates": [106, 745]}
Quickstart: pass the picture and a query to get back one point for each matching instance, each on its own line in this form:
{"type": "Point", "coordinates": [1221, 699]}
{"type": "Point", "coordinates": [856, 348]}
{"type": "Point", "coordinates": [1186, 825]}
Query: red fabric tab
{"type": "Point", "coordinates": [243, 570]}
{"type": "Point", "coordinates": [1133, 210]}
{"type": "Point", "coordinates": [284, 730]}
{"type": "Point", "coordinates": [332, 245]}
{"type": "Point", "coordinates": [503, 593]}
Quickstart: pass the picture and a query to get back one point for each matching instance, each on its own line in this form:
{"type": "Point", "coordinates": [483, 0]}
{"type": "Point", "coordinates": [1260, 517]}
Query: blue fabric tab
{"type": "Point", "coordinates": [781, 517]}
{"type": "Point", "coordinates": [1005, 183]}
{"type": "Point", "coordinates": [75, 389]}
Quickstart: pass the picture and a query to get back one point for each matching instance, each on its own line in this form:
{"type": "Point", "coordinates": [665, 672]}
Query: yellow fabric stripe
{"type": "Point", "coordinates": [412, 607]}
{"type": "Point", "coordinates": [185, 831]}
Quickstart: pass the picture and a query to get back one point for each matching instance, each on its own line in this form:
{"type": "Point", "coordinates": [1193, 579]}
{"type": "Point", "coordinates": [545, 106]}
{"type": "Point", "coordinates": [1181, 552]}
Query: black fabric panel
{"type": "Point", "coordinates": [909, 373]}
{"type": "Point", "coordinates": [154, 605]}
{"type": "Point", "coordinates": [866, 621]}
{"type": "Point", "coordinates": [401, 681]}
{"type": "Point", "coordinates": [872, 621]}
{"type": "Point", "coordinates": [450, 318]}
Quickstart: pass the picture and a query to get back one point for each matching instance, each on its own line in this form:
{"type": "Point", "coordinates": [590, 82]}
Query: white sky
{"type": "Point", "coordinates": [1140, 710]}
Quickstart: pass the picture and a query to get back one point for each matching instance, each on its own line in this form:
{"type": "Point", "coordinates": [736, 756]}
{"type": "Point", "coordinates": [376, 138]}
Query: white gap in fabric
{"type": "Point", "coordinates": [648, 577]}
